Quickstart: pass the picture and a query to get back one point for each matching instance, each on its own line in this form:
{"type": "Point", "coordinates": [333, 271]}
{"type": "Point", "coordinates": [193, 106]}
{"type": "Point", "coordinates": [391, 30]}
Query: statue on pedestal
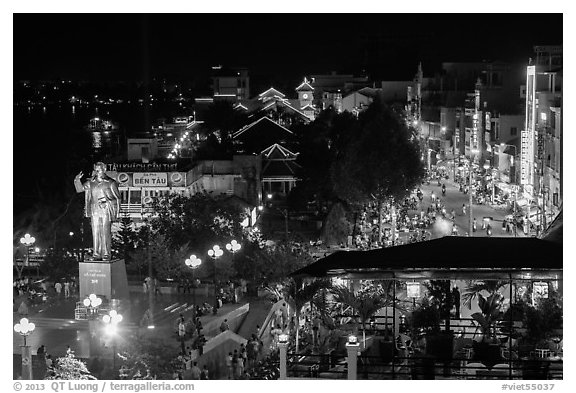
{"type": "Point", "coordinates": [102, 199]}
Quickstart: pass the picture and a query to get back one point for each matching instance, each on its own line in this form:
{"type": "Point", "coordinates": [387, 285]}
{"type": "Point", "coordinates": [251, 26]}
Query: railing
{"type": "Point", "coordinates": [327, 366]}
{"type": "Point", "coordinates": [426, 367]}
{"type": "Point", "coordinates": [135, 208]}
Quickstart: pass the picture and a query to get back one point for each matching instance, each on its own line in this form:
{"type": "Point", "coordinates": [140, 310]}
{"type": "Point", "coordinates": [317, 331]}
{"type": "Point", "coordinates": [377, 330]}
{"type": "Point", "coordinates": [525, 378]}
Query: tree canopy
{"type": "Point", "coordinates": [382, 161]}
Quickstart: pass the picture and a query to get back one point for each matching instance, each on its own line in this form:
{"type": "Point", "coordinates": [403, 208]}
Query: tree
{"type": "Point", "coordinates": [70, 368]}
{"type": "Point", "coordinates": [474, 288]}
{"type": "Point", "coordinates": [201, 220]}
{"type": "Point", "coordinates": [124, 241]}
{"type": "Point", "coordinates": [336, 227]}
{"type": "Point", "coordinates": [440, 296]}
{"type": "Point", "coordinates": [59, 263]}
{"type": "Point", "coordinates": [490, 313]}
{"type": "Point", "coordinates": [364, 303]}
{"type": "Point", "coordinates": [382, 162]}
{"type": "Point", "coordinates": [146, 359]}
{"type": "Point", "coordinates": [272, 264]}
{"type": "Point", "coordinates": [297, 293]}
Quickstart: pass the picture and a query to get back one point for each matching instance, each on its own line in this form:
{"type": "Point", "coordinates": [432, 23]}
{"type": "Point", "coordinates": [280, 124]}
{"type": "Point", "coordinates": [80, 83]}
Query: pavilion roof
{"type": "Point", "coordinates": [449, 257]}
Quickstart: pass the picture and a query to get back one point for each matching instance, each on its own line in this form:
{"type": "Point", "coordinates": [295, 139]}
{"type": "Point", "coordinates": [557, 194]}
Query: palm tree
{"type": "Point", "coordinates": [475, 287]}
{"type": "Point", "coordinates": [297, 293]}
{"type": "Point", "coordinates": [490, 313]}
{"type": "Point", "coordinates": [364, 304]}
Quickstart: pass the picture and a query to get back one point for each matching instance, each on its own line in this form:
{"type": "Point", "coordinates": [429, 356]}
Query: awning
{"type": "Point", "coordinates": [450, 256]}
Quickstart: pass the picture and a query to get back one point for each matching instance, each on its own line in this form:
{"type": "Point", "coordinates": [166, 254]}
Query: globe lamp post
{"type": "Point", "coordinates": [25, 328]}
{"type": "Point", "coordinates": [193, 263]}
{"type": "Point", "coordinates": [215, 252]}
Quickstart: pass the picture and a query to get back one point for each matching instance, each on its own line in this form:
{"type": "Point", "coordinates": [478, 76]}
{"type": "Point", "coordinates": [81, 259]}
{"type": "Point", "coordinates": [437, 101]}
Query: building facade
{"type": "Point", "coordinates": [542, 140]}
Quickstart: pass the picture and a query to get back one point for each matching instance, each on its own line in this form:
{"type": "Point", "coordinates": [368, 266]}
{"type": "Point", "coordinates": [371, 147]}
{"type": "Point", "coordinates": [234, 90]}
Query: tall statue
{"type": "Point", "coordinates": [102, 199]}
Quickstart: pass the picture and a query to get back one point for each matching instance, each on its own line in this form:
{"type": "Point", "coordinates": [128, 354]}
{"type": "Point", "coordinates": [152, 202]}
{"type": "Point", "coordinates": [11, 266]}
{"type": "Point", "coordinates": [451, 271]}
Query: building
{"type": "Point", "coordinates": [541, 139]}
{"type": "Point", "coordinates": [330, 88]}
{"type": "Point", "coordinates": [232, 83]}
{"type": "Point", "coordinates": [356, 101]}
{"type": "Point", "coordinates": [140, 183]}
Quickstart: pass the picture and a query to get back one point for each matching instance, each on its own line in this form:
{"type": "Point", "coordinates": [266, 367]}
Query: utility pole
{"type": "Point", "coordinates": [151, 283]}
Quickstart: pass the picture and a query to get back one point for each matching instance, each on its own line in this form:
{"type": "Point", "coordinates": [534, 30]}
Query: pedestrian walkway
{"type": "Point", "coordinates": [259, 309]}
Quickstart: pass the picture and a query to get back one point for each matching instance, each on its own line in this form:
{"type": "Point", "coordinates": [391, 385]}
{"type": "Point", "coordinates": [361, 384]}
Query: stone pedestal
{"type": "Point", "coordinates": [26, 362]}
{"type": "Point", "coordinates": [283, 360]}
{"type": "Point", "coordinates": [352, 360]}
{"type": "Point", "coordinates": [106, 279]}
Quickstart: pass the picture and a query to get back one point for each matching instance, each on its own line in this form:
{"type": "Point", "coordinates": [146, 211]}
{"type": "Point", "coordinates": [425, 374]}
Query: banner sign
{"type": "Point", "coordinates": [539, 291]}
{"type": "Point", "coordinates": [413, 289]}
{"type": "Point", "coordinates": [150, 179]}
{"type": "Point", "coordinates": [142, 167]}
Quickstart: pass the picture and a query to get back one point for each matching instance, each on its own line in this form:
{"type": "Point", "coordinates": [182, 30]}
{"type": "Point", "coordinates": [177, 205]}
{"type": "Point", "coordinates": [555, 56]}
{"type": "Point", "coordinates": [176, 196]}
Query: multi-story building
{"type": "Point", "coordinates": [140, 183]}
{"type": "Point", "coordinates": [330, 88]}
{"type": "Point", "coordinates": [233, 83]}
{"type": "Point", "coordinates": [541, 143]}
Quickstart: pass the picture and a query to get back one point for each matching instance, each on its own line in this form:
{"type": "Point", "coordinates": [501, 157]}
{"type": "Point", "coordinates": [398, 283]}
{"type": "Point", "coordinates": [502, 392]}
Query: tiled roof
{"type": "Point", "coordinates": [277, 151]}
{"type": "Point", "coordinates": [305, 86]}
{"type": "Point", "coordinates": [266, 121]}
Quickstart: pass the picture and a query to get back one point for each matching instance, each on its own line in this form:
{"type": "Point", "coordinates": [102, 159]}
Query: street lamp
{"type": "Point", "coordinates": [193, 263]}
{"type": "Point", "coordinates": [215, 253]}
{"type": "Point", "coordinates": [112, 320]}
{"type": "Point", "coordinates": [25, 328]}
{"type": "Point", "coordinates": [92, 303]}
{"type": "Point", "coordinates": [233, 247]}
{"type": "Point", "coordinates": [27, 241]}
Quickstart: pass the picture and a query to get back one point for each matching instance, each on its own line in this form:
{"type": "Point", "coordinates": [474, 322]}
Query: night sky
{"type": "Point", "coordinates": [183, 46]}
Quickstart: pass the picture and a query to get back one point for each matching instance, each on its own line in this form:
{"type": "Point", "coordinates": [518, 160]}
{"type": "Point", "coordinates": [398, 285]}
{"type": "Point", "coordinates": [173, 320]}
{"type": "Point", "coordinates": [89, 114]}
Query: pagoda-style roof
{"type": "Point", "coordinates": [277, 152]}
{"type": "Point", "coordinates": [450, 257]}
{"type": "Point", "coordinates": [269, 94]}
{"type": "Point", "coordinates": [305, 86]}
{"type": "Point", "coordinates": [262, 133]}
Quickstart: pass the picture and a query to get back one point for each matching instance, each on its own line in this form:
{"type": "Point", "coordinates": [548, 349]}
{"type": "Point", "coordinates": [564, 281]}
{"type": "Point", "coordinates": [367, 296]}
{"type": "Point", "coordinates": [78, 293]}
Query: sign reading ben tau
{"type": "Point", "coordinates": [150, 179]}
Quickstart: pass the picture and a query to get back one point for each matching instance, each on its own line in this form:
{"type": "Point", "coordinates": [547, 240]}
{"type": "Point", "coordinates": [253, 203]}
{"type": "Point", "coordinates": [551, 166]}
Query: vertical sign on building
{"type": "Point", "coordinates": [528, 134]}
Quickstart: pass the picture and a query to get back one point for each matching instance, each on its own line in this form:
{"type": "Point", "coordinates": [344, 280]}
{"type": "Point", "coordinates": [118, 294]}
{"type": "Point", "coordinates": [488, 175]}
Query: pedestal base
{"type": "Point", "coordinates": [104, 278]}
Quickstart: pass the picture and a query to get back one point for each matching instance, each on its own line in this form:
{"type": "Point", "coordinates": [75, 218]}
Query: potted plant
{"type": "Point", "coordinates": [487, 350]}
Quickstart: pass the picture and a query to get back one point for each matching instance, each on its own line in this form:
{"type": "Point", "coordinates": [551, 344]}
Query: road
{"type": "Point", "coordinates": [454, 200]}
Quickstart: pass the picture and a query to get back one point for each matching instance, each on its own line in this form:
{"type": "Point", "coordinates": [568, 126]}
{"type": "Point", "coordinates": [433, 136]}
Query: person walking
{"type": "Point", "coordinates": [456, 301]}
{"type": "Point", "coordinates": [204, 373]}
{"type": "Point", "coordinates": [229, 366]}
{"type": "Point", "coordinates": [463, 209]}
{"type": "Point", "coordinates": [49, 362]}
{"type": "Point", "coordinates": [224, 326]}
{"type": "Point", "coordinates": [235, 361]}
{"type": "Point", "coordinates": [195, 371]}
{"type": "Point", "coordinates": [182, 335]}
{"type": "Point", "coordinates": [41, 350]}
{"type": "Point", "coordinates": [239, 367]}
{"type": "Point", "coordinates": [243, 355]}
{"type": "Point", "coordinates": [66, 289]}
{"type": "Point", "coordinates": [58, 288]}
